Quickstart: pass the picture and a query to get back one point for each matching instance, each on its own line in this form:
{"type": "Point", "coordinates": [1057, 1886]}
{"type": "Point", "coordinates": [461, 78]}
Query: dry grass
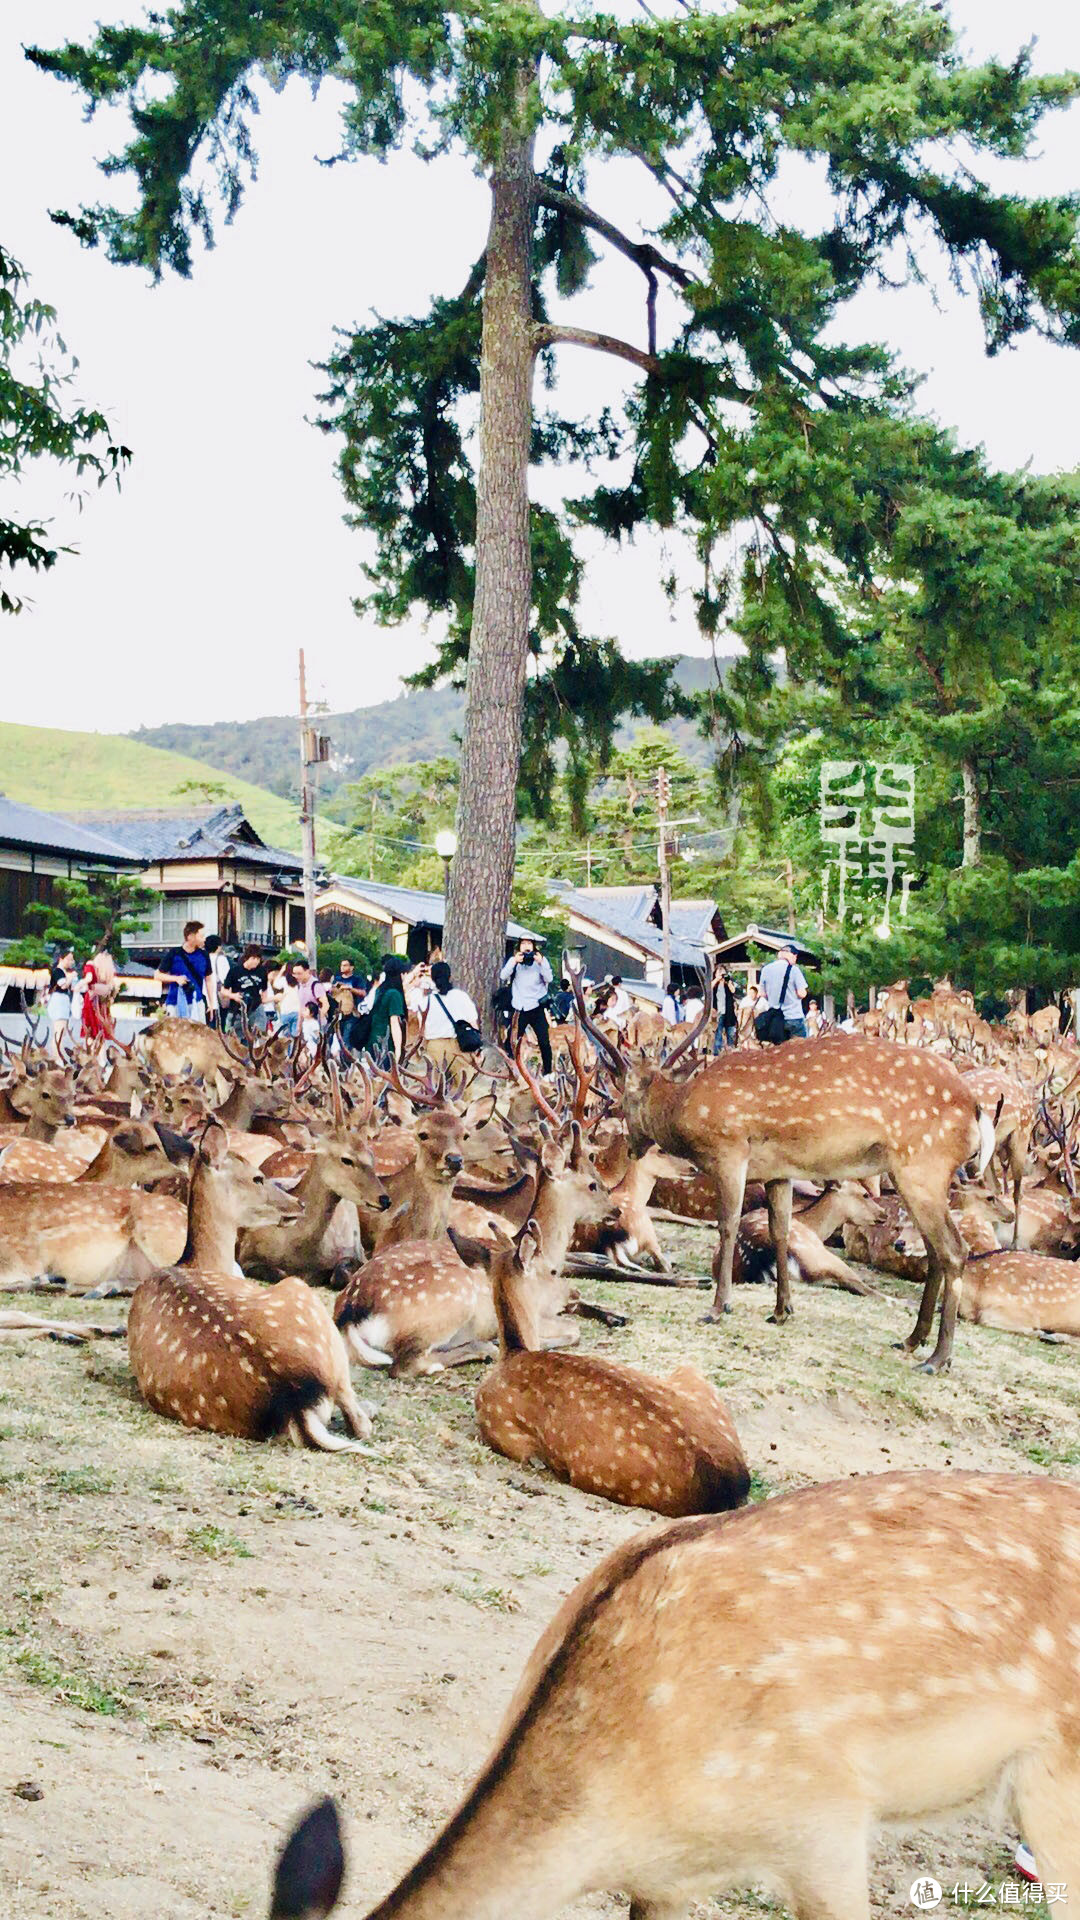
{"type": "Point", "coordinates": [200, 1634]}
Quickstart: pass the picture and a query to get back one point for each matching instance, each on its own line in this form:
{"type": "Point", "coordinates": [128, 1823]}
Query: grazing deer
{"type": "Point", "coordinates": [668, 1445]}
{"type": "Point", "coordinates": [1022, 1293]}
{"type": "Point", "coordinates": [830, 1109]}
{"type": "Point", "coordinates": [213, 1350]}
{"type": "Point", "coordinates": [871, 1673]}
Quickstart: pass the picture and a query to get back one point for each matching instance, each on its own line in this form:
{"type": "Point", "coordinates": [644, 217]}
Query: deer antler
{"type": "Point", "coordinates": [584, 1080]}
{"type": "Point", "coordinates": [534, 1087]}
{"type": "Point", "coordinates": [339, 1104]}
{"type": "Point", "coordinates": [420, 1096]}
{"type": "Point", "coordinates": [620, 1065]}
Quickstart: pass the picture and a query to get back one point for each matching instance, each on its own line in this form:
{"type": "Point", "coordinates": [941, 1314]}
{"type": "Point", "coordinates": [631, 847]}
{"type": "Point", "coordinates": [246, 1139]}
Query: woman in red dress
{"type": "Point", "coordinates": [99, 981]}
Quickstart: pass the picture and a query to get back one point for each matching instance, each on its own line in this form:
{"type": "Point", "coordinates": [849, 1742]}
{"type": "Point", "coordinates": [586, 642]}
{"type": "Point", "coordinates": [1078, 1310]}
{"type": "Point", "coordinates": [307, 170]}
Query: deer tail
{"type": "Point", "coordinates": [986, 1140]}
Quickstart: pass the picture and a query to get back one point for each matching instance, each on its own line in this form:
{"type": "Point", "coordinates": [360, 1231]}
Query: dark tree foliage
{"type": "Point", "coordinates": [38, 421]}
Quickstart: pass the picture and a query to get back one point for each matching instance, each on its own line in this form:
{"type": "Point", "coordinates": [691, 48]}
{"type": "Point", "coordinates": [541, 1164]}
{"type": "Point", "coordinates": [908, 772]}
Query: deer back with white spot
{"type": "Point", "coordinates": [412, 1297]}
{"type": "Point", "coordinates": [884, 1650]}
{"type": "Point", "coordinates": [1022, 1293]}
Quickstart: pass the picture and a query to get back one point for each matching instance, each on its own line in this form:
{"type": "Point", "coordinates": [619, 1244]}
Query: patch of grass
{"type": "Point", "coordinates": [494, 1599]}
{"type": "Point", "coordinates": [1047, 1456]}
{"type": "Point", "coordinates": [77, 1689]}
{"type": "Point", "coordinates": [761, 1487]}
{"type": "Point", "coordinates": [78, 1480]}
{"type": "Point", "coordinates": [217, 1543]}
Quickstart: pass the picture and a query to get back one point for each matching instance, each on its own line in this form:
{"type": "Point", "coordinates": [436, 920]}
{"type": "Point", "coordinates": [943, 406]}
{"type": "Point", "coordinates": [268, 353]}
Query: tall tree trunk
{"type": "Point", "coordinates": [972, 815]}
{"type": "Point", "coordinates": [483, 869]}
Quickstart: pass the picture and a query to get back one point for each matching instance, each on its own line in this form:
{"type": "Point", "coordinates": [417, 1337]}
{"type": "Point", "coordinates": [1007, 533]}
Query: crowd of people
{"type": "Point", "coordinates": [348, 1010]}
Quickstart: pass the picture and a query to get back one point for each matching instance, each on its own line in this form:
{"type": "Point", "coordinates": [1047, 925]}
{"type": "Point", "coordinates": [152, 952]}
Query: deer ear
{"type": "Point", "coordinates": [530, 1244]}
{"type": "Point", "coordinates": [577, 1148]}
{"type": "Point", "coordinates": [480, 1112]}
{"type": "Point", "coordinates": [214, 1146]}
{"type": "Point", "coordinates": [312, 1866]}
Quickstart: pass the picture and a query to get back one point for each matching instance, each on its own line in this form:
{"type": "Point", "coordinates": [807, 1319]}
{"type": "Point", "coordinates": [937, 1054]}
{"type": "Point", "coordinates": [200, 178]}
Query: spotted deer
{"type": "Point", "coordinates": [213, 1350]}
{"type": "Point", "coordinates": [338, 1168]}
{"type": "Point", "coordinates": [669, 1445]}
{"type": "Point", "coordinates": [873, 1672]}
{"type": "Point", "coordinates": [836, 1108]}
{"type": "Point", "coordinates": [1014, 1108]}
{"type": "Point", "coordinates": [133, 1154]}
{"type": "Point", "coordinates": [36, 1101]}
{"type": "Point", "coordinates": [418, 1307]}
{"type": "Point", "coordinates": [1022, 1293]}
{"type": "Point", "coordinates": [811, 1258]}
{"type": "Point", "coordinates": [93, 1237]}
{"type": "Point", "coordinates": [632, 1236]}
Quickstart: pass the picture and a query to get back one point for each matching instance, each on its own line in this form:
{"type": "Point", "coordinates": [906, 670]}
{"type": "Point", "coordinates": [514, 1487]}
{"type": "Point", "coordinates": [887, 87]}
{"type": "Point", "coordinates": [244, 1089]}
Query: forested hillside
{"type": "Point", "coordinates": [417, 726]}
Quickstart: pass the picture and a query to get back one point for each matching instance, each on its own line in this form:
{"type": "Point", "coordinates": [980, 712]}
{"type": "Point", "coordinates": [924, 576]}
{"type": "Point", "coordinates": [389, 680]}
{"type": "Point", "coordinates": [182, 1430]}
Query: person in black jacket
{"type": "Point", "coordinates": [727, 1012]}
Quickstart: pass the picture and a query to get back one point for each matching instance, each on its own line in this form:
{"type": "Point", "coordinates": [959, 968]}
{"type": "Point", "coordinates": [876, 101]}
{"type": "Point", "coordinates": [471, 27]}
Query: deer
{"type": "Point", "coordinates": [1014, 1109]}
{"type": "Point", "coordinates": [418, 1307]}
{"type": "Point", "coordinates": [136, 1153]}
{"type": "Point", "coordinates": [89, 1233]}
{"type": "Point", "coordinates": [339, 1168]}
{"type": "Point", "coordinates": [642, 1756]}
{"type": "Point", "coordinates": [812, 1259]}
{"type": "Point", "coordinates": [37, 1100]}
{"type": "Point", "coordinates": [421, 1193]}
{"type": "Point", "coordinates": [14, 1324]}
{"type": "Point", "coordinates": [836, 1108]}
{"type": "Point", "coordinates": [214, 1350]}
{"type": "Point", "coordinates": [633, 1236]}
{"type": "Point", "coordinates": [1022, 1293]}
{"type": "Point", "coordinates": [612, 1430]}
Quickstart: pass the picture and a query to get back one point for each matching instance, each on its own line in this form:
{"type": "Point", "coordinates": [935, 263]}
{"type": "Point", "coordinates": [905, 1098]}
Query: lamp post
{"type": "Point", "coordinates": [446, 847]}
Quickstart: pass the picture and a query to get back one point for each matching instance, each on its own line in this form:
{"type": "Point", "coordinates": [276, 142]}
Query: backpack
{"type": "Point", "coordinates": [770, 1026]}
{"type": "Point", "coordinates": [469, 1038]}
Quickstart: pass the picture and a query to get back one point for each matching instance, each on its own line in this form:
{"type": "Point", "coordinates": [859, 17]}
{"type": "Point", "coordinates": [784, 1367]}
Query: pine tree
{"type": "Point", "coordinates": [744, 407]}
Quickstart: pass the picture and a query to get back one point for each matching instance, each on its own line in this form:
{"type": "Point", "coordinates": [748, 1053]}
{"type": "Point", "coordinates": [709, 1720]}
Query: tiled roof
{"type": "Point", "coordinates": [410, 904]}
{"type": "Point", "coordinates": [625, 911]}
{"type": "Point", "coordinates": [172, 836]}
{"type": "Point", "coordinates": [22, 826]}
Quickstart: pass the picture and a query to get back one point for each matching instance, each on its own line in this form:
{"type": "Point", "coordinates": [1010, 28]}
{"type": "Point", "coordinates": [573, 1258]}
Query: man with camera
{"type": "Point", "coordinates": [529, 976]}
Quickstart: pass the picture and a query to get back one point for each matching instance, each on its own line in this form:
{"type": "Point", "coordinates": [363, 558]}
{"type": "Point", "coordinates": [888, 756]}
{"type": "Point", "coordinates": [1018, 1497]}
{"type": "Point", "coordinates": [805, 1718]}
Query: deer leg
{"type": "Point", "coordinates": [1017, 1159]}
{"type": "Point", "coordinates": [730, 1183]}
{"type": "Point", "coordinates": [944, 1264]}
{"type": "Point", "coordinates": [1047, 1792]}
{"type": "Point", "coordinates": [354, 1414]}
{"type": "Point", "coordinates": [778, 1200]}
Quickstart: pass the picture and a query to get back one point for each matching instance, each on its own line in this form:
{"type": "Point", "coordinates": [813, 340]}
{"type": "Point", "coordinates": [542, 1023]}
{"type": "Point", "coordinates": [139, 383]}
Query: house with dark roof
{"type": "Point", "coordinates": [620, 930]}
{"type": "Point", "coordinates": [407, 919]}
{"type": "Point", "coordinates": [37, 849]}
{"type": "Point", "coordinates": [735, 951]}
{"type": "Point", "coordinates": [216, 868]}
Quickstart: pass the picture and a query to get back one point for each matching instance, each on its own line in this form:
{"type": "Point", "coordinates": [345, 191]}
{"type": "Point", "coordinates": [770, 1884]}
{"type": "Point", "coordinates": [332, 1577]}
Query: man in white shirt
{"type": "Point", "coordinates": [530, 977]}
{"type": "Point", "coordinates": [618, 1007]}
{"type": "Point", "coordinates": [783, 985]}
{"type": "Point", "coordinates": [446, 1003]}
{"type": "Point", "coordinates": [670, 1009]}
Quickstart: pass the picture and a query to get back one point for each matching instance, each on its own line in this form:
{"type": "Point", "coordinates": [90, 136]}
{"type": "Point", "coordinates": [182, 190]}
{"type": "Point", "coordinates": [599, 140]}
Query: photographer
{"type": "Point", "coordinates": [727, 1012]}
{"type": "Point", "coordinates": [529, 977]}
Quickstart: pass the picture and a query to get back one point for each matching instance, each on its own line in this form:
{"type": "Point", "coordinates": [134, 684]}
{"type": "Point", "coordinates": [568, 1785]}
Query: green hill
{"type": "Point", "coordinates": [73, 773]}
{"type": "Point", "coordinates": [415, 726]}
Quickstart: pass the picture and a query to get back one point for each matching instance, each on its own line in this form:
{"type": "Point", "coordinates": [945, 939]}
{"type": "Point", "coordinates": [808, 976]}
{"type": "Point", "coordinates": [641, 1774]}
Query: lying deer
{"type": "Point", "coordinates": [36, 1102]}
{"type": "Point", "coordinates": [812, 1260]}
{"type": "Point", "coordinates": [134, 1154]}
{"type": "Point", "coordinates": [418, 1307]}
{"type": "Point", "coordinates": [339, 1168]}
{"type": "Point", "coordinates": [213, 1350]}
{"type": "Point", "coordinates": [1022, 1293]}
{"type": "Point", "coordinates": [632, 1237]}
{"type": "Point", "coordinates": [861, 1682]}
{"type": "Point", "coordinates": [668, 1445]}
{"type": "Point", "coordinates": [837, 1108]}
{"type": "Point", "coordinates": [95, 1238]}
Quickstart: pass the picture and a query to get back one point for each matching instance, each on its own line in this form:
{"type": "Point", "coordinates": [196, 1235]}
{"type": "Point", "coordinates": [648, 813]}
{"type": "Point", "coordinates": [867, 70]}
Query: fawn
{"type": "Point", "coordinates": [213, 1350]}
{"type": "Point", "coordinates": [873, 1668]}
{"type": "Point", "coordinates": [669, 1445]}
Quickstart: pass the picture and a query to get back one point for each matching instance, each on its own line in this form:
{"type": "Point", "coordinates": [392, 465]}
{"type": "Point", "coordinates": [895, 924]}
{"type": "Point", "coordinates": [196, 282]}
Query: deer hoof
{"type": "Point", "coordinates": [778, 1319]}
{"type": "Point", "coordinates": [713, 1316]}
{"type": "Point", "coordinates": [934, 1365]}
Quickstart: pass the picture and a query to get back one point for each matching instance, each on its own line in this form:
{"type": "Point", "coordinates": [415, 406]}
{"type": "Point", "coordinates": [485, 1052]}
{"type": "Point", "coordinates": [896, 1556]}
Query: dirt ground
{"type": "Point", "coordinates": [198, 1636]}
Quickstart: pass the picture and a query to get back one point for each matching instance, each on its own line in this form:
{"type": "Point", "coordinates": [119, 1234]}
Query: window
{"type": "Point", "coordinates": [169, 915]}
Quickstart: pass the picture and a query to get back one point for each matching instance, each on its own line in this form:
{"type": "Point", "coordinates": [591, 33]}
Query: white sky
{"type": "Point", "coordinates": [226, 549]}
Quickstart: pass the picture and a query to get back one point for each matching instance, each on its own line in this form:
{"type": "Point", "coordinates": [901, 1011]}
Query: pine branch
{"type": "Point", "coordinates": [548, 336]}
{"type": "Point", "coordinates": [641, 252]}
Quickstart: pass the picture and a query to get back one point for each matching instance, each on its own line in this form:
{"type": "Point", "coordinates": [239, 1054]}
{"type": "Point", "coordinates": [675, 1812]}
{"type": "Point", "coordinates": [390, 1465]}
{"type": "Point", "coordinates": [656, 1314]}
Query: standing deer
{"type": "Point", "coordinates": [668, 1445]}
{"type": "Point", "coordinates": [873, 1670]}
{"type": "Point", "coordinates": [213, 1350]}
{"type": "Point", "coordinates": [837, 1108]}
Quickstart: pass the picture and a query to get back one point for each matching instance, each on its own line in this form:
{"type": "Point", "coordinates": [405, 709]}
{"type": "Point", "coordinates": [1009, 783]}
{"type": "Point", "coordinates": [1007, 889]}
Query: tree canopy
{"type": "Point", "coordinates": [38, 420]}
{"type": "Point", "coordinates": [749, 419]}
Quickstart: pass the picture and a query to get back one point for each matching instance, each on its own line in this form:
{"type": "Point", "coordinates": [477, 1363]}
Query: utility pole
{"type": "Point", "coordinates": [310, 753]}
{"type": "Point", "coordinates": [789, 877]}
{"type": "Point", "coordinates": [663, 798]}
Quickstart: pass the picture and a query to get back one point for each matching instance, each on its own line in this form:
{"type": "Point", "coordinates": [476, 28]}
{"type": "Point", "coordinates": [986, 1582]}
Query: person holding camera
{"type": "Point", "coordinates": [727, 1012]}
{"type": "Point", "coordinates": [529, 976]}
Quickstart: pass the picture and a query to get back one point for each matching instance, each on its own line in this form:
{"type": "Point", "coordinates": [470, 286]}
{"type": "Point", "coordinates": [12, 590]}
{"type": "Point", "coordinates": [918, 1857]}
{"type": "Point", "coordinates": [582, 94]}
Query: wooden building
{"type": "Point", "coordinates": [406, 919]}
{"type": "Point", "coordinates": [619, 930]}
{"type": "Point", "coordinates": [37, 849]}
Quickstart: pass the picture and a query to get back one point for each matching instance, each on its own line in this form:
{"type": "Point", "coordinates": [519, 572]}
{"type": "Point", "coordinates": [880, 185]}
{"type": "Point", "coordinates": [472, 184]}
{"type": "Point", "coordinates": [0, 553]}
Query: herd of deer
{"type": "Point", "coordinates": [278, 1220]}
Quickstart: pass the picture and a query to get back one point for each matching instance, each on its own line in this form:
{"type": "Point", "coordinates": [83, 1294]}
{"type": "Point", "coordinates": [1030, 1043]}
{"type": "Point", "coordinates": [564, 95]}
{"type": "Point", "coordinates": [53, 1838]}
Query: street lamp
{"type": "Point", "coordinates": [446, 847]}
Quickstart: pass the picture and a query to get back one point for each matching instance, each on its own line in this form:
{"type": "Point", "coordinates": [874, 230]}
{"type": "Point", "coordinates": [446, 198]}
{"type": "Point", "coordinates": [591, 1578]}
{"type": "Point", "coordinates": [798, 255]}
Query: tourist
{"type": "Point", "coordinates": [670, 1009]}
{"type": "Point", "coordinates": [244, 990]}
{"type": "Point", "coordinates": [727, 1012]}
{"type": "Point", "coordinates": [62, 977]}
{"type": "Point", "coordinates": [446, 1005]}
{"type": "Point", "coordinates": [783, 985]}
{"type": "Point", "coordinates": [185, 973]}
{"type": "Point", "coordinates": [618, 1009]}
{"type": "Point", "coordinates": [528, 976]}
{"type": "Point", "coordinates": [389, 1016]}
{"type": "Point", "coordinates": [814, 1020]}
{"type": "Point", "coordinates": [99, 987]}
{"type": "Point", "coordinates": [286, 993]}
{"type": "Point", "coordinates": [215, 979]}
{"type": "Point", "coordinates": [562, 1002]}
